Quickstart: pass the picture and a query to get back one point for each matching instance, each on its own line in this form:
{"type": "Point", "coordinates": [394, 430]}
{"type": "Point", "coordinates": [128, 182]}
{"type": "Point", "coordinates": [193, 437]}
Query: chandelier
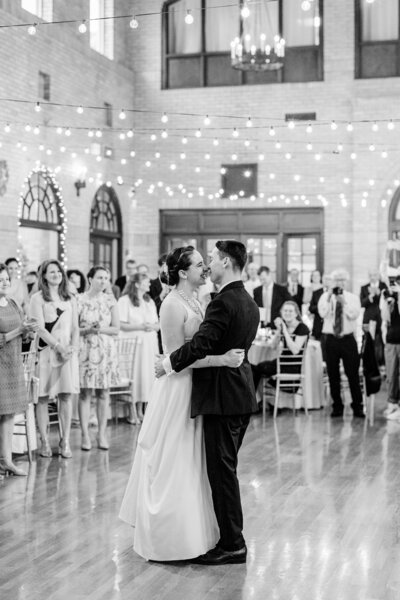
{"type": "Point", "coordinates": [259, 46]}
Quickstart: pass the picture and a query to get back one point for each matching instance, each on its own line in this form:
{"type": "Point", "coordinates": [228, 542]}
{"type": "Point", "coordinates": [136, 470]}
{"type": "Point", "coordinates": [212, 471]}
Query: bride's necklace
{"type": "Point", "coordinates": [191, 301]}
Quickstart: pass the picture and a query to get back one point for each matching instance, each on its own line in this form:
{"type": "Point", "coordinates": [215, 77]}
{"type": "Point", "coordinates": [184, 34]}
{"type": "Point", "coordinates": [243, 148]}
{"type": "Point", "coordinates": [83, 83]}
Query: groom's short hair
{"type": "Point", "coordinates": [236, 252]}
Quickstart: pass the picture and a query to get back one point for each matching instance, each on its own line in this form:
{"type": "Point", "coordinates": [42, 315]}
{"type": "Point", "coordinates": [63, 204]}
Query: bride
{"type": "Point", "coordinates": [168, 497]}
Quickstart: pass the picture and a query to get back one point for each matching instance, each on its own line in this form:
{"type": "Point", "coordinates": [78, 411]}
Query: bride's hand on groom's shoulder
{"type": "Point", "coordinates": [158, 366]}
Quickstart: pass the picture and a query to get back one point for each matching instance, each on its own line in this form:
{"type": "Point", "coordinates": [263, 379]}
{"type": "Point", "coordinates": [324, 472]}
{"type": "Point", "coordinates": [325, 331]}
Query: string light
{"type": "Point", "coordinates": [134, 23]}
{"type": "Point", "coordinates": [349, 127]}
{"type": "Point", "coordinates": [375, 126]}
{"type": "Point", "coordinates": [198, 133]}
{"type": "Point", "coordinates": [189, 17]}
{"type": "Point", "coordinates": [309, 128]}
{"type": "Point", "coordinates": [249, 122]}
{"type": "Point", "coordinates": [82, 27]}
{"type": "Point", "coordinates": [333, 125]}
{"type": "Point", "coordinates": [164, 118]}
{"type": "Point", "coordinates": [32, 29]}
{"type": "Point", "coordinates": [38, 108]}
{"type": "Point", "coordinates": [122, 115]}
{"type": "Point", "coordinates": [271, 131]}
{"type": "Point", "coordinates": [235, 132]}
{"type": "Point", "coordinates": [7, 128]}
{"type": "Point", "coordinates": [79, 110]}
{"type": "Point", "coordinates": [390, 125]}
{"type": "Point", "coordinates": [207, 121]}
{"type": "Point", "coordinates": [245, 11]}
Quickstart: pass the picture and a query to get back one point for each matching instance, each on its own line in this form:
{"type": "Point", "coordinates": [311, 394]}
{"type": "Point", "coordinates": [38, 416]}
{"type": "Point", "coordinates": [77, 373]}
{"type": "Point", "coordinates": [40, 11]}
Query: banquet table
{"type": "Point", "coordinates": [262, 350]}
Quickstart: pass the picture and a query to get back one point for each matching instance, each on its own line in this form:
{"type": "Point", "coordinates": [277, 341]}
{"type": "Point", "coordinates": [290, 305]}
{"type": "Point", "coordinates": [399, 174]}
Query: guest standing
{"type": "Point", "coordinates": [138, 315]}
{"type": "Point", "coordinates": [295, 288]}
{"type": "Point", "coordinates": [269, 295]}
{"type": "Point", "coordinates": [13, 395]}
{"type": "Point", "coordinates": [253, 280]}
{"type": "Point", "coordinates": [340, 309]}
{"type": "Point", "coordinates": [130, 269]}
{"type": "Point", "coordinates": [370, 295]}
{"type": "Point", "coordinates": [18, 289]}
{"type": "Point", "coordinates": [315, 285]}
{"type": "Point", "coordinates": [56, 313]}
{"type": "Point", "coordinates": [98, 361]}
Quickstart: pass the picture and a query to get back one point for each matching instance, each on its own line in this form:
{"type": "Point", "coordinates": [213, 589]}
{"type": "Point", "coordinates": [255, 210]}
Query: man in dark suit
{"type": "Point", "coordinates": [130, 268]}
{"type": "Point", "coordinates": [294, 287]}
{"type": "Point", "coordinates": [158, 290]}
{"type": "Point", "coordinates": [225, 396]}
{"type": "Point", "coordinates": [270, 296]}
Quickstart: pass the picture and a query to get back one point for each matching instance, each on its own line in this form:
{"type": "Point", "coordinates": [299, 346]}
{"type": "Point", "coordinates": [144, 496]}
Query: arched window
{"type": "Point", "coordinates": [41, 232]}
{"type": "Point", "coordinates": [198, 55]}
{"type": "Point", "coordinates": [106, 230]}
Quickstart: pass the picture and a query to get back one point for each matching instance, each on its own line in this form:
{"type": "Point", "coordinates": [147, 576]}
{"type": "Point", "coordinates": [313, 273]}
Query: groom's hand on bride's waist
{"type": "Point", "coordinates": [159, 368]}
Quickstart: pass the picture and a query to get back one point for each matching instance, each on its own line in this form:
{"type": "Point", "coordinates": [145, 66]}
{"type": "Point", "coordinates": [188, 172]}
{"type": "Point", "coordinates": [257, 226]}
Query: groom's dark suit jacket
{"type": "Point", "coordinates": [231, 321]}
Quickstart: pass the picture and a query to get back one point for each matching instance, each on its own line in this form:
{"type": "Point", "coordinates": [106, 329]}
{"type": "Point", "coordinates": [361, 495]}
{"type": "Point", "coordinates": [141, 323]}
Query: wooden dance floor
{"type": "Point", "coordinates": [321, 502]}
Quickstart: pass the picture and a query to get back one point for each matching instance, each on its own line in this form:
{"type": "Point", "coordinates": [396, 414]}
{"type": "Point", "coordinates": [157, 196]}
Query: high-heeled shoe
{"type": "Point", "coordinates": [86, 444]}
{"type": "Point", "coordinates": [45, 449]}
{"type": "Point", "coordinates": [64, 449]}
{"type": "Point", "coordinates": [102, 444]}
{"type": "Point", "coordinates": [8, 468]}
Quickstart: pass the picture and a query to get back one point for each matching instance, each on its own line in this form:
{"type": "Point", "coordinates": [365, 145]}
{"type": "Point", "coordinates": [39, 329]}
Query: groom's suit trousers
{"type": "Point", "coordinates": [223, 436]}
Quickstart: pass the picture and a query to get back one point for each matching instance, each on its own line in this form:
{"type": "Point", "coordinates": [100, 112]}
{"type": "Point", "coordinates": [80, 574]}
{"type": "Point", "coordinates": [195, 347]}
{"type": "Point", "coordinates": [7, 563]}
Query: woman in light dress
{"type": "Point", "coordinates": [18, 289]}
{"type": "Point", "coordinates": [56, 313]}
{"type": "Point", "coordinates": [168, 497]}
{"type": "Point", "coordinates": [138, 318]}
{"type": "Point", "coordinates": [98, 360]}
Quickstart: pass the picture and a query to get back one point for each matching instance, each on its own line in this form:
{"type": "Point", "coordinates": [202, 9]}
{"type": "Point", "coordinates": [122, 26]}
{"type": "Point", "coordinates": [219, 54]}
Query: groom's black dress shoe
{"type": "Point", "coordinates": [217, 556]}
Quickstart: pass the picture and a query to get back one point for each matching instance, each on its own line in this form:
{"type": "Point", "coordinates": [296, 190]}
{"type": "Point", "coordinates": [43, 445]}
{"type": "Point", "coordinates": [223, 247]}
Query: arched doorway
{"type": "Point", "coordinates": [42, 220]}
{"type": "Point", "coordinates": [394, 217]}
{"type": "Point", "coordinates": [106, 231]}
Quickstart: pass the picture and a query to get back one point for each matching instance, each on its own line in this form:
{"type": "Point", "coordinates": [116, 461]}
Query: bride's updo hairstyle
{"type": "Point", "coordinates": [179, 259]}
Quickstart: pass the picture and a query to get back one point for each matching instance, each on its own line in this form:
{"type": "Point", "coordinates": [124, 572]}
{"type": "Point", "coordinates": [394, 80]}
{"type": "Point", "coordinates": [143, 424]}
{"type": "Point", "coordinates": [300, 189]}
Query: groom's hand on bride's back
{"type": "Point", "coordinates": [158, 366]}
{"type": "Point", "coordinates": [234, 358]}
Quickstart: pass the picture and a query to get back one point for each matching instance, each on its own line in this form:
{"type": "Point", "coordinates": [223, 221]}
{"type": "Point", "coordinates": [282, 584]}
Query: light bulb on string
{"type": "Point", "coordinates": [122, 114]}
{"type": "Point", "coordinates": [129, 133]}
{"type": "Point", "coordinates": [134, 23]}
{"type": "Point", "coordinates": [90, 133]}
{"type": "Point", "coordinates": [87, 150]}
{"type": "Point", "coordinates": [132, 154]}
{"type": "Point", "coordinates": [247, 143]}
{"type": "Point", "coordinates": [272, 131]}
{"type": "Point", "coordinates": [7, 128]}
{"type": "Point", "coordinates": [317, 156]}
{"type": "Point", "coordinates": [59, 130]}
{"type": "Point", "coordinates": [375, 126]}
{"type": "Point", "coordinates": [390, 125]}
{"type": "Point", "coordinates": [184, 140]}
{"type": "Point", "coordinates": [157, 154]}
{"type": "Point", "coordinates": [82, 27]}
{"type": "Point", "coordinates": [309, 128]}
{"type": "Point", "coordinates": [215, 142]}
{"type": "Point", "coordinates": [278, 145]}
{"type": "Point", "coordinates": [384, 154]}
{"type": "Point", "coordinates": [99, 133]}
{"type": "Point", "coordinates": [309, 146]}
{"type": "Point", "coordinates": [207, 121]}
{"type": "Point", "coordinates": [371, 148]}
{"type": "Point", "coordinates": [122, 135]}
{"type": "Point", "coordinates": [189, 17]}
{"type": "Point", "coordinates": [36, 130]}
{"type": "Point", "coordinates": [288, 156]}
{"type": "Point", "coordinates": [164, 134]}
{"type": "Point", "coordinates": [38, 108]}
{"type": "Point", "coordinates": [249, 122]}
{"type": "Point", "coordinates": [198, 133]}
{"type": "Point", "coordinates": [349, 126]}
{"type": "Point", "coordinates": [79, 110]}
{"type": "Point", "coordinates": [353, 156]}
{"type": "Point", "coordinates": [62, 148]}
{"type": "Point", "coordinates": [261, 157]}
{"type": "Point", "coordinates": [291, 124]}
{"type": "Point", "coordinates": [164, 118]}
{"type": "Point", "coordinates": [235, 132]}
{"type": "Point", "coordinates": [245, 11]}
{"type": "Point", "coordinates": [32, 29]}
{"type": "Point", "coordinates": [68, 132]}
{"type": "Point", "coordinates": [333, 125]}
{"type": "Point", "coordinates": [153, 137]}
{"type": "Point", "coordinates": [28, 128]}
{"type": "Point", "coordinates": [123, 161]}
{"type": "Point", "coordinates": [306, 5]}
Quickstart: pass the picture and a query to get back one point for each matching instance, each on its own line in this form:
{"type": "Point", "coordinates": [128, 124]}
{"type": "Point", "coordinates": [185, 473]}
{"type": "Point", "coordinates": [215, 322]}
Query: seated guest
{"type": "Point", "coordinates": [130, 268]}
{"type": "Point", "coordinates": [295, 288]}
{"type": "Point", "coordinates": [269, 295]}
{"type": "Point", "coordinates": [293, 333]}
{"type": "Point", "coordinates": [253, 280]}
{"type": "Point", "coordinates": [370, 295]}
{"type": "Point", "coordinates": [339, 310]}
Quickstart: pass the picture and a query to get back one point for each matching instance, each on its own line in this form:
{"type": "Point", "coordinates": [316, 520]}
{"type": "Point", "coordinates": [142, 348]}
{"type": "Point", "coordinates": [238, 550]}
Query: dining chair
{"type": "Point", "coordinates": [126, 348]}
{"type": "Point", "coordinates": [24, 424]}
{"type": "Point", "coordinates": [286, 380]}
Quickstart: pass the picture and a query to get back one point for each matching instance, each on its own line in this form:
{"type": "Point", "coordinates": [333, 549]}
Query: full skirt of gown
{"type": "Point", "coordinates": [168, 496]}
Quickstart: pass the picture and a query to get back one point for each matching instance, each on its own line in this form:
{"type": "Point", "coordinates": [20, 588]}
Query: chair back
{"type": "Point", "coordinates": [126, 348]}
{"type": "Point", "coordinates": [29, 362]}
{"type": "Point", "coordinates": [291, 364]}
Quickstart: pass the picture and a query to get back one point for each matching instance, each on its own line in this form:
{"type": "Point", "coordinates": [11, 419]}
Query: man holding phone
{"type": "Point", "coordinates": [339, 310]}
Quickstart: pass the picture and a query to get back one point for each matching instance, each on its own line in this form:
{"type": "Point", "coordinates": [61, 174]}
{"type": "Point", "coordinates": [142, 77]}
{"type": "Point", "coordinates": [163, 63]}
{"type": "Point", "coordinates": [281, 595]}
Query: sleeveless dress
{"type": "Point", "coordinates": [168, 496]}
{"type": "Point", "coordinates": [13, 396]}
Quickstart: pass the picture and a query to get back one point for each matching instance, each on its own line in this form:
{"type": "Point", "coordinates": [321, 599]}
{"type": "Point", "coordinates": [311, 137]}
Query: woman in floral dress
{"type": "Point", "coordinates": [98, 360]}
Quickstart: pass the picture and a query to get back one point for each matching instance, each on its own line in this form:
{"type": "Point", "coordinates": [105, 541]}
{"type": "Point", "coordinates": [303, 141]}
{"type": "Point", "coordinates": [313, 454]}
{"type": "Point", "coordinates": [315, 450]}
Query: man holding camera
{"type": "Point", "coordinates": [339, 310]}
{"type": "Point", "coordinates": [391, 337]}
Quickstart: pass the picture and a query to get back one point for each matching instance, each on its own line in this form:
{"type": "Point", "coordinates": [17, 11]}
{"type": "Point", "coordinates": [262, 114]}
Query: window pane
{"type": "Point", "coordinates": [301, 27]}
{"type": "Point", "coordinates": [262, 251]}
{"type": "Point", "coordinates": [183, 38]}
{"type": "Point", "coordinates": [379, 20]}
{"type": "Point", "coordinates": [302, 255]}
{"type": "Point", "coordinates": [263, 21]}
{"type": "Point", "coordinates": [102, 31]}
{"type": "Point", "coordinates": [222, 26]}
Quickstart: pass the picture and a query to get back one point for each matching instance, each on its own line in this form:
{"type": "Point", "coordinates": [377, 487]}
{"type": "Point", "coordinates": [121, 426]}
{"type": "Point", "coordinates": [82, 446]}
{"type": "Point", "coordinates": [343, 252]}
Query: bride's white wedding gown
{"type": "Point", "coordinates": [168, 497]}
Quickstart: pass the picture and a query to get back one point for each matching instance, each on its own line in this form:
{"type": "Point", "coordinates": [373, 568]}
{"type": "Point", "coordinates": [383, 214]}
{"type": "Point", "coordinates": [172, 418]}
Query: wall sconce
{"type": "Point", "coordinates": [79, 184]}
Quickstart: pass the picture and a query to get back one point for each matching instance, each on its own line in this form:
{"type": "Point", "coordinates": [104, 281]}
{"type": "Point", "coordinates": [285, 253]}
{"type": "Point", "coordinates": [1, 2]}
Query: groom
{"type": "Point", "coordinates": [225, 396]}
